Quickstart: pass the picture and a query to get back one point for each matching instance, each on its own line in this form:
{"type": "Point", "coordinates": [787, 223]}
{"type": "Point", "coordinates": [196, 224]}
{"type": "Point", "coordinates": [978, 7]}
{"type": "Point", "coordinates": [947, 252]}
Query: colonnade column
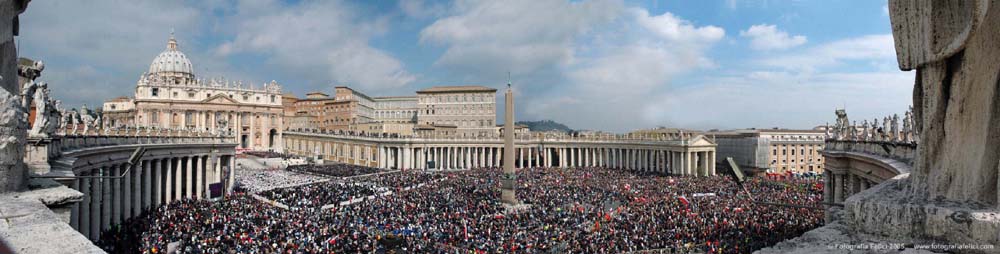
{"type": "Point", "coordinates": [158, 180]}
{"type": "Point", "coordinates": [106, 200]}
{"type": "Point", "coordinates": [127, 193]}
{"type": "Point", "coordinates": [96, 206]}
{"type": "Point", "coordinates": [147, 177]}
{"type": "Point", "coordinates": [827, 191]}
{"type": "Point", "coordinates": [116, 194]}
{"type": "Point", "coordinates": [838, 187]}
{"type": "Point", "coordinates": [199, 179]}
{"type": "Point", "coordinates": [83, 224]}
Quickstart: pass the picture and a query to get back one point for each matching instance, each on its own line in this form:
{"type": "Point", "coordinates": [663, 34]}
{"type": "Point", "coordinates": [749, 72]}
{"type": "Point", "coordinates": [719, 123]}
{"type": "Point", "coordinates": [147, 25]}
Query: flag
{"type": "Point", "coordinates": [684, 200]}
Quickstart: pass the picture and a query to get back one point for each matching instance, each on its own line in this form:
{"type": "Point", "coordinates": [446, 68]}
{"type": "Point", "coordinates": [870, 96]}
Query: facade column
{"type": "Point", "coordinates": [84, 205]}
{"type": "Point", "coordinates": [531, 157]}
{"type": "Point", "coordinates": [158, 182]}
{"type": "Point", "coordinates": [189, 181]}
{"type": "Point", "coordinates": [74, 214]}
{"type": "Point", "coordinates": [178, 178]}
{"type": "Point", "coordinates": [96, 204]}
{"type": "Point", "coordinates": [711, 163]}
{"type": "Point", "coordinates": [199, 178]}
{"type": "Point", "coordinates": [106, 200]}
{"type": "Point", "coordinates": [682, 163]}
{"type": "Point", "coordinates": [138, 172]}
{"type": "Point", "coordinates": [116, 195]}
{"type": "Point", "coordinates": [127, 193]}
{"type": "Point", "coordinates": [827, 189]}
{"type": "Point", "coordinates": [147, 175]}
{"type": "Point", "coordinates": [838, 188]}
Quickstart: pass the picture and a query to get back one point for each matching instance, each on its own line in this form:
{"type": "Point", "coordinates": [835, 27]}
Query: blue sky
{"type": "Point", "coordinates": [592, 64]}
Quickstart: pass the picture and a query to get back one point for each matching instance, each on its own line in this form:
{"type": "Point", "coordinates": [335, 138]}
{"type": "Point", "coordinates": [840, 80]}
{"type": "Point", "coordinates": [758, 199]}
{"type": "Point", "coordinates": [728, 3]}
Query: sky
{"type": "Point", "coordinates": [608, 65]}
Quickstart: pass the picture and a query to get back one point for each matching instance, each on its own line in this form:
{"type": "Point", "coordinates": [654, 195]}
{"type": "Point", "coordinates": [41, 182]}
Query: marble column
{"type": "Point", "coordinates": [198, 168]}
{"type": "Point", "coordinates": [852, 184]}
{"type": "Point", "coordinates": [147, 178]}
{"type": "Point", "coordinates": [116, 194]}
{"type": "Point", "coordinates": [74, 215]}
{"type": "Point", "coordinates": [158, 180]}
{"type": "Point", "coordinates": [96, 204]}
{"type": "Point", "coordinates": [827, 187]}
{"type": "Point", "coordinates": [106, 199]}
{"type": "Point", "coordinates": [838, 188]}
{"type": "Point", "coordinates": [84, 213]}
{"type": "Point", "coordinates": [127, 193]}
{"type": "Point", "coordinates": [168, 183]}
{"type": "Point", "coordinates": [711, 163]}
{"type": "Point", "coordinates": [178, 178]}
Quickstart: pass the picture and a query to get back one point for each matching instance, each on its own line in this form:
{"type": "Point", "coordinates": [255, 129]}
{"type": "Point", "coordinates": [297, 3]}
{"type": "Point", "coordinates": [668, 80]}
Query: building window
{"type": "Point", "coordinates": [156, 92]}
{"type": "Point", "coordinates": [175, 94]}
{"type": "Point", "coordinates": [190, 95]}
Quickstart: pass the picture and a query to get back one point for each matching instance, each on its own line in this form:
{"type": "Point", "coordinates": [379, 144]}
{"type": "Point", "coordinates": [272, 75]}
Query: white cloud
{"type": "Point", "coordinates": [768, 37]}
{"type": "Point", "coordinates": [522, 36]}
{"type": "Point", "coordinates": [878, 49]}
{"type": "Point", "coordinates": [325, 39]}
{"type": "Point", "coordinates": [614, 84]}
{"type": "Point", "coordinates": [674, 29]}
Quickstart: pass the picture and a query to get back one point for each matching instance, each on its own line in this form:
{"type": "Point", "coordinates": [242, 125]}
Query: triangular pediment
{"type": "Point", "coordinates": [220, 99]}
{"type": "Point", "coordinates": [700, 140]}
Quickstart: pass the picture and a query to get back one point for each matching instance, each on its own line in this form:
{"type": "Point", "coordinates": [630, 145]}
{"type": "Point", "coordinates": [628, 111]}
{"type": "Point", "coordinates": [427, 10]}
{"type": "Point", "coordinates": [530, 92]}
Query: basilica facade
{"type": "Point", "coordinates": [170, 96]}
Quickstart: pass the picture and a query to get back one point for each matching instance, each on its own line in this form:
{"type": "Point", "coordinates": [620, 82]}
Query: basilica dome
{"type": "Point", "coordinates": [172, 61]}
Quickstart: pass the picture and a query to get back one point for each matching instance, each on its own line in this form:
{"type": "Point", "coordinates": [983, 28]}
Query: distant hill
{"type": "Point", "coordinates": [545, 125]}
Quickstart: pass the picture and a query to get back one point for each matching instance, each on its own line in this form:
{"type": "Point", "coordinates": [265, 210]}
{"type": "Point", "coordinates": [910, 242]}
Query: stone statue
{"type": "Point", "coordinates": [865, 133]}
{"type": "Point", "coordinates": [826, 130]}
{"type": "Point", "coordinates": [42, 114]}
{"type": "Point", "coordinates": [86, 119]}
{"type": "Point", "coordinates": [842, 124]}
{"type": "Point", "coordinates": [876, 131]}
{"type": "Point", "coordinates": [28, 94]}
{"type": "Point", "coordinates": [13, 124]}
{"type": "Point", "coordinates": [907, 128]}
{"type": "Point", "coordinates": [74, 119]}
{"type": "Point", "coordinates": [97, 124]}
{"type": "Point", "coordinates": [894, 128]}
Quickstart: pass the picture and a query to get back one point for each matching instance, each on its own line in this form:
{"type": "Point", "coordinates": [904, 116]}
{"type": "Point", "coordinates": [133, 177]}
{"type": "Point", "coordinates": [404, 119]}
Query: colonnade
{"type": "Point", "coordinates": [694, 156]}
{"type": "Point", "coordinates": [838, 185]}
{"type": "Point", "coordinates": [633, 158]}
{"type": "Point", "coordinates": [700, 163]}
{"type": "Point", "coordinates": [113, 193]}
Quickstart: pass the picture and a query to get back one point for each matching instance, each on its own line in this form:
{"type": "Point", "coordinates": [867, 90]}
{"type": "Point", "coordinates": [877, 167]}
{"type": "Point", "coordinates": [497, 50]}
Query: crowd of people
{"type": "Point", "coordinates": [335, 170]}
{"type": "Point", "coordinates": [258, 180]}
{"type": "Point", "coordinates": [268, 154]}
{"type": "Point", "coordinates": [581, 210]}
{"type": "Point", "coordinates": [337, 191]}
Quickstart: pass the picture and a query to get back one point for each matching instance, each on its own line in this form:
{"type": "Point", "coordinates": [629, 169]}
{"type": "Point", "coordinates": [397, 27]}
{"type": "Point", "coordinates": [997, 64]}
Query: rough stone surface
{"type": "Point", "coordinates": [28, 226]}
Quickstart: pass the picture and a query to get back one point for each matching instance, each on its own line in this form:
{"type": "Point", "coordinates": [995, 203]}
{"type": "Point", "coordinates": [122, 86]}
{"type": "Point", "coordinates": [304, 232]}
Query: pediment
{"type": "Point", "coordinates": [220, 99]}
{"type": "Point", "coordinates": [700, 140]}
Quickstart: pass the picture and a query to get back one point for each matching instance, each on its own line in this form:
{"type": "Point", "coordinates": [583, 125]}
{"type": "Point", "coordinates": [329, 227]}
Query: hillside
{"type": "Point", "coordinates": [545, 125]}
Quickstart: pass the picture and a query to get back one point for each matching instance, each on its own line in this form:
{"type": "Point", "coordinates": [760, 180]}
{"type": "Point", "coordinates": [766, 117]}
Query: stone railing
{"type": "Point", "coordinates": [518, 136]}
{"type": "Point", "coordinates": [40, 151]}
{"type": "Point", "coordinates": [611, 139]}
{"type": "Point", "coordinates": [899, 151]}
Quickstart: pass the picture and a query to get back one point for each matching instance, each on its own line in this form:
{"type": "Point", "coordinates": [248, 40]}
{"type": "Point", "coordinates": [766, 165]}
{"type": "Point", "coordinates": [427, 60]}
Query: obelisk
{"type": "Point", "coordinates": [509, 180]}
